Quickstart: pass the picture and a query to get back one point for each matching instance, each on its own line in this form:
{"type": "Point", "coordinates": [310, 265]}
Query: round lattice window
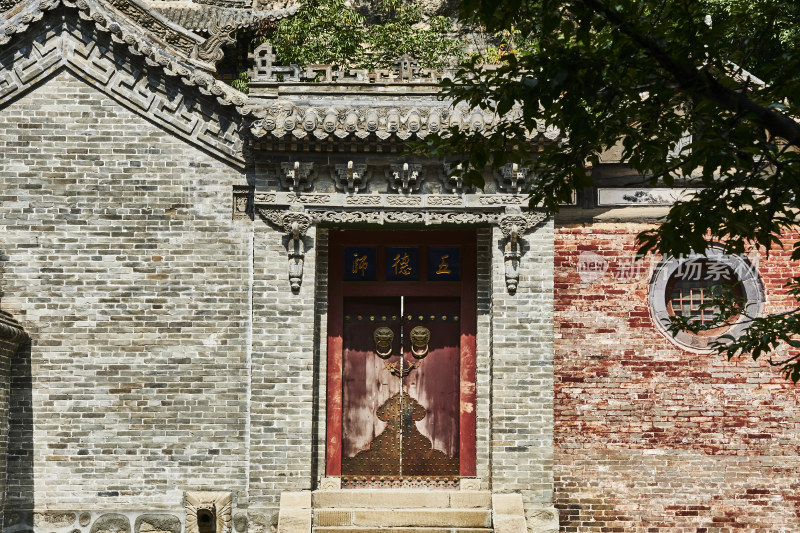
{"type": "Point", "coordinates": [685, 287]}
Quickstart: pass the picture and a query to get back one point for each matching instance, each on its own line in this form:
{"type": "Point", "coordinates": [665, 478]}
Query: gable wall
{"type": "Point", "coordinates": [122, 262]}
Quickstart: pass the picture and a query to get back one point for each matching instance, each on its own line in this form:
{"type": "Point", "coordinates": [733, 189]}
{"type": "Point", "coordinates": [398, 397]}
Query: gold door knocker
{"type": "Point", "coordinates": [420, 337]}
{"type": "Point", "coordinates": [383, 337]}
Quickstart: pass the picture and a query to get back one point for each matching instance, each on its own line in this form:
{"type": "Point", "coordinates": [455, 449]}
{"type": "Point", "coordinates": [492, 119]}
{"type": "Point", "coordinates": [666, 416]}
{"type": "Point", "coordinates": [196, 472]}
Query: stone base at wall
{"type": "Point", "coordinates": [323, 511]}
{"type": "Point", "coordinates": [417, 511]}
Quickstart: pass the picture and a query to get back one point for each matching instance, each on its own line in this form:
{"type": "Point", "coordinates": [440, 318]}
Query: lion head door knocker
{"type": "Point", "coordinates": [420, 337]}
{"type": "Point", "coordinates": [383, 337]}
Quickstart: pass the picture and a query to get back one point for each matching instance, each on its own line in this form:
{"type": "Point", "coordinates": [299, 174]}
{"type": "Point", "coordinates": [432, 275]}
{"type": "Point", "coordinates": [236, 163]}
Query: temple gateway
{"type": "Point", "coordinates": [255, 314]}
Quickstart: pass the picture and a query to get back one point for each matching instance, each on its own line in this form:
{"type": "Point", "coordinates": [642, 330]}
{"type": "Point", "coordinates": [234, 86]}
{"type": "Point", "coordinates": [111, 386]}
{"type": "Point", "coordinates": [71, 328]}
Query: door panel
{"type": "Point", "coordinates": [367, 385]}
{"type": "Point", "coordinates": [435, 383]}
{"type": "Point", "coordinates": [397, 426]}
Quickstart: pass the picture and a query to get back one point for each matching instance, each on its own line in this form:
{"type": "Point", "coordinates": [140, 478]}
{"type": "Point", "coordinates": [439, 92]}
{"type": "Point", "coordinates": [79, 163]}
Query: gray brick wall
{"type": "Point", "coordinates": [283, 370]}
{"type": "Point", "coordinates": [484, 357]}
{"type": "Point", "coordinates": [522, 370]}
{"type": "Point", "coordinates": [123, 264]}
{"type": "Point", "coordinates": [169, 352]}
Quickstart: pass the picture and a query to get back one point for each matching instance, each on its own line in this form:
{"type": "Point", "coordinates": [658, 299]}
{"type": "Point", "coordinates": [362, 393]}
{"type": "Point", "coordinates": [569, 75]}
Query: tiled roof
{"type": "Point", "coordinates": [195, 16]}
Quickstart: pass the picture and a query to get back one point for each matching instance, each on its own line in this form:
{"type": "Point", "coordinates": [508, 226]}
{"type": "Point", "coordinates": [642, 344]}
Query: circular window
{"type": "Point", "coordinates": [685, 287]}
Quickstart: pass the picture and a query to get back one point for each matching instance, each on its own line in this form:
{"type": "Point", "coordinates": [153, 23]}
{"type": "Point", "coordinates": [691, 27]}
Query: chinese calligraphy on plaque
{"type": "Point", "coordinates": [360, 263]}
{"type": "Point", "coordinates": [444, 263]}
{"type": "Point", "coordinates": [402, 264]}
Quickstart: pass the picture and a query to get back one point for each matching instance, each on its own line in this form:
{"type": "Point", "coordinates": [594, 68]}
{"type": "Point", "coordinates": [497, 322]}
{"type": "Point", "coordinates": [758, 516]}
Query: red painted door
{"type": "Point", "coordinates": [400, 414]}
{"type": "Point", "coordinates": [401, 357]}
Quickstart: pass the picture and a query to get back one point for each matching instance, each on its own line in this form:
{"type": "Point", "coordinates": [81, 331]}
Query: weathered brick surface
{"type": "Point", "coordinates": [122, 262]}
{"type": "Point", "coordinates": [522, 370]}
{"type": "Point", "coordinates": [282, 407]}
{"type": "Point", "coordinates": [649, 437]}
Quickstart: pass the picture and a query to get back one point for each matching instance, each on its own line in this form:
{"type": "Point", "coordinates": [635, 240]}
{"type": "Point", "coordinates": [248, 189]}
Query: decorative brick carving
{"type": "Point", "coordinates": [513, 226]}
{"type": "Point", "coordinates": [542, 520]}
{"type": "Point", "coordinates": [242, 202]}
{"type": "Point", "coordinates": [296, 176]}
{"type": "Point", "coordinates": [295, 224]}
{"type": "Point", "coordinates": [111, 522]}
{"type": "Point", "coordinates": [83, 46]}
{"type": "Point", "coordinates": [405, 70]}
{"type": "Point", "coordinates": [330, 483]}
{"type": "Point", "coordinates": [404, 178]}
{"type": "Point", "coordinates": [201, 506]}
{"type": "Point", "coordinates": [350, 177]}
{"type": "Point", "coordinates": [470, 483]}
{"type": "Point", "coordinates": [512, 178]}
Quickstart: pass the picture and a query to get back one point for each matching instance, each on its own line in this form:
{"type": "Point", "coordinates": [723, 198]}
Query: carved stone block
{"type": "Point", "coordinates": [330, 483]}
{"type": "Point", "coordinates": [208, 512]}
{"type": "Point", "coordinates": [242, 202]}
{"type": "Point", "coordinates": [157, 523]}
{"type": "Point", "coordinates": [113, 523]}
{"type": "Point", "coordinates": [470, 483]}
{"type": "Point", "coordinates": [542, 520]}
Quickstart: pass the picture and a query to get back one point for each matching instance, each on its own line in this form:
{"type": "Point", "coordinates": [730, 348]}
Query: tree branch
{"type": "Point", "coordinates": [699, 82]}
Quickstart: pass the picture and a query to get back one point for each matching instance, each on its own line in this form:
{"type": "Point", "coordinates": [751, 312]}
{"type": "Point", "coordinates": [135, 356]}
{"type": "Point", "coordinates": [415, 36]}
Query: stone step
{"type": "Point", "coordinates": [406, 517]}
{"type": "Point", "coordinates": [353, 529]}
{"type": "Point", "coordinates": [402, 499]}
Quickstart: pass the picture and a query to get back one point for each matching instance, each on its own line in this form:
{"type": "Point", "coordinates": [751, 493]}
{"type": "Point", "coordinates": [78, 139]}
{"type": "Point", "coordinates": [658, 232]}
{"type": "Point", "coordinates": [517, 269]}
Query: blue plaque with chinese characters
{"type": "Point", "coordinates": [444, 263]}
{"type": "Point", "coordinates": [360, 263]}
{"type": "Point", "coordinates": [402, 264]}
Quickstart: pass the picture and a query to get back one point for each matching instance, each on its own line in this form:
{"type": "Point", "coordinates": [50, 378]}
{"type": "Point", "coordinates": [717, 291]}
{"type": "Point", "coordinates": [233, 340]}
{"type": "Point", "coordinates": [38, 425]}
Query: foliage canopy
{"type": "Point", "coordinates": [333, 32]}
{"type": "Point", "coordinates": [650, 75]}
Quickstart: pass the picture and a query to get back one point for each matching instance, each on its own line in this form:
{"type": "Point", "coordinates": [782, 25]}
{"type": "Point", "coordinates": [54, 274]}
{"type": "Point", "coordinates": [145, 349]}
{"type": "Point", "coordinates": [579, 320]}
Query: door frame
{"type": "Point", "coordinates": [466, 289]}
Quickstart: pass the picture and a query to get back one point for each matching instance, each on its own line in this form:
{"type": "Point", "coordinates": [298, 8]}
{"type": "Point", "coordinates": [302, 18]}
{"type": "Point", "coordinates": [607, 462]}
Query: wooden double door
{"type": "Point", "coordinates": [401, 359]}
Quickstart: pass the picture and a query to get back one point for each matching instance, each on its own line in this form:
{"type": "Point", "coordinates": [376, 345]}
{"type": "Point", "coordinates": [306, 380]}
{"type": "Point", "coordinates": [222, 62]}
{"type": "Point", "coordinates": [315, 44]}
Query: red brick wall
{"type": "Point", "coordinates": [650, 437]}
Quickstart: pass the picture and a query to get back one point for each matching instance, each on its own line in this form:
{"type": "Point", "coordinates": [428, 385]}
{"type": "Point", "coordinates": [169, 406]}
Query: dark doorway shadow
{"type": "Point", "coordinates": [18, 507]}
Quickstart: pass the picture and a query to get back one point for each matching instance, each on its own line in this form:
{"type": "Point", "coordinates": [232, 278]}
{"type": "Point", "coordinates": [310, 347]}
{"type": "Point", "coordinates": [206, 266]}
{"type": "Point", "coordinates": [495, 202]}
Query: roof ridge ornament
{"type": "Point", "coordinates": [210, 50]}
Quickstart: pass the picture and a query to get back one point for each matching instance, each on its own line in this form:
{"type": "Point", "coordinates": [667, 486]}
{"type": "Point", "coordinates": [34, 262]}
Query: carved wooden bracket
{"type": "Point", "coordinates": [351, 177]}
{"type": "Point", "coordinates": [512, 178]}
{"type": "Point", "coordinates": [296, 176]}
{"type": "Point", "coordinates": [405, 178]}
{"type": "Point", "coordinates": [513, 226]}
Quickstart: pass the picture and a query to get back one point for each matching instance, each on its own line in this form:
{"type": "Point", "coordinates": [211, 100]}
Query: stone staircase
{"type": "Point", "coordinates": [400, 511]}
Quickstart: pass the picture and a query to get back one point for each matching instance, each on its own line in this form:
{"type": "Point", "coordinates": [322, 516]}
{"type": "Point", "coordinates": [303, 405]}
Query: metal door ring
{"type": "Point", "coordinates": [383, 337]}
{"type": "Point", "coordinates": [420, 338]}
